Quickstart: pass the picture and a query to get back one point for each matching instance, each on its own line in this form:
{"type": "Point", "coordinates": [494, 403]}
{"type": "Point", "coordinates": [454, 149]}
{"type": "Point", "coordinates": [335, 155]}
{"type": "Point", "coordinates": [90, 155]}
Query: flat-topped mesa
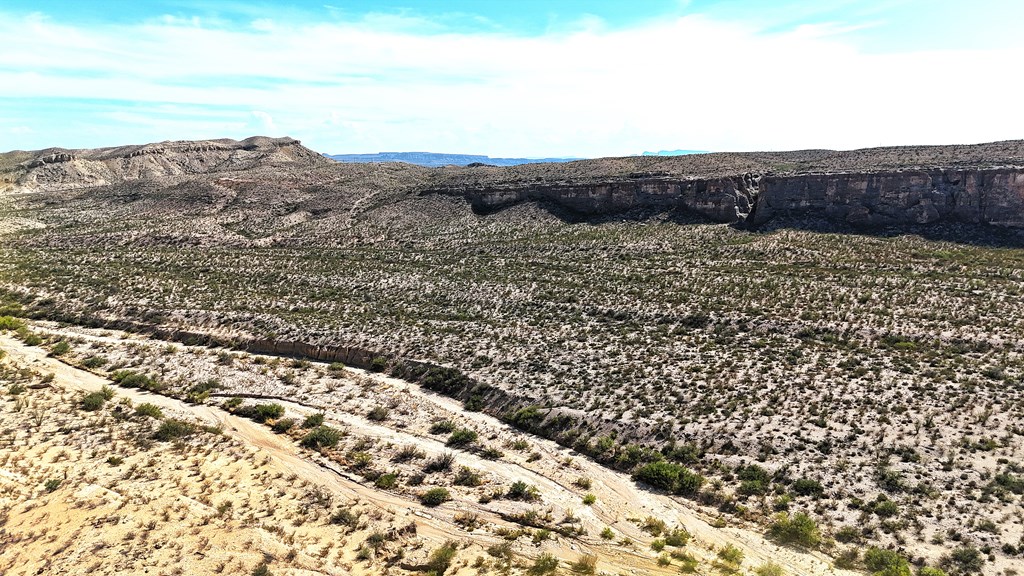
{"type": "Point", "coordinates": [59, 169]}
{"type": "Point", "coordinates": [979, 184]}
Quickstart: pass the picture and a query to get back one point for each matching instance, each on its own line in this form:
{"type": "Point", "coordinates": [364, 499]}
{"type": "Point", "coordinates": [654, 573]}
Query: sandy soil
{"type": "Point", "coordinates": [620, 504]}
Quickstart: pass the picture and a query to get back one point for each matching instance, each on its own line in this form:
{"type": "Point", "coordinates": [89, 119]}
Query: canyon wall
{"type": "Point", "coordinates": [980, 196]}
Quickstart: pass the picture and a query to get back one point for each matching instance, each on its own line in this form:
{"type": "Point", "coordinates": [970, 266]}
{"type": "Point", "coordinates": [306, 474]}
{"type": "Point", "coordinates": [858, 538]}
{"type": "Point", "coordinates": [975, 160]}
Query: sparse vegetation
{"type": "Point", "coordinates": [435, 497]}
{"type": "Point", "coordinates": [321, 437]}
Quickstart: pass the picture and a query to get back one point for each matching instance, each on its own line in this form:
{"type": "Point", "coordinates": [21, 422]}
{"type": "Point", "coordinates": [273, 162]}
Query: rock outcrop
{"type": "Point", "coordinates": [979, 196]}
{"type": "Point", "coordinates": [977, 184]}
{"type": "Point", "coordinates": [58, 169]}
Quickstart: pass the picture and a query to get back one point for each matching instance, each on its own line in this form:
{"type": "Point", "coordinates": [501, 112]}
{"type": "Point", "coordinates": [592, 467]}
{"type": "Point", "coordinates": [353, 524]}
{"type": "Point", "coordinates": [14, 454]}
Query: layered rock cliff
{"type": "Point", "coordinates": [979, 184]}
{"type": "Point", "coordinates": [980, 196]}
{"type": "Point", "coordinates": [59, 169]}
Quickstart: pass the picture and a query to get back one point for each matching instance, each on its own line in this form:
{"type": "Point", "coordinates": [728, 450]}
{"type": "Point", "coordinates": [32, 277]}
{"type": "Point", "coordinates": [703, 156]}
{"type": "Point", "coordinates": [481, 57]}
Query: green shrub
{"type": "Point", "coordinates": [520, 490]}
{"type": "Point", "coordinates": [60, 348]}
{"type": "Point", "coordinates": [731, 554]}
{"type": "Point", "coordinates": [752, 488]}
{"type": "Point", "coordinates": [754, 473]}
{"type": "Point", "coordinates": [885, 508]}
{"type": "Point", "coordinates": [441, 558]}
{"type": "Point", "coordinates": [378, 364]}
{"type": "Point", "coordinates": [28, 337]}
{"type": "Point", "coordinates": [199, 393]}
{"type": "Point", "coordinates": [386, 481]}
{"type": "Point", "coordinates": [11, 323]}
{"type": "Point", "coordinates": [848, 559]}
{"type": "Point", "coordinates": [848, 534]}
{"type": "Point", "coordinates": [930, 571]}
{"type": "Point", "coordinates": [149, 410]}
{"type": "Point", "coordinates": [799, 529]}
{"type": "Point", "coordinates": [462, 437]}
{"type": "Point", "coordinates": [52, 484]}
{"type": "Point", "coordinates": [283, 425]}
{"type": "Point", "coordinates": [172, 429]}
{"type": "Point", "coordinates": [963, 560]}
{"type": "Point", "coordinates": [262, 412]}
{"type": "Point", "coordinates": [313, 420]}
{"type": "Point", "coordinates": [662, 475]}
{"type": "Point", "coordinates": [130, 379]}
{"type": "Point", "coordinates": [321, 437]}
{"type": "Point", "coordinates": [407, 453]}
{"type": "Point", "coordinates": [466, 476]}
{"type": "Point", "coordinates": [544, 564]}
{"type": "Point", "coordinates": [808, 487]}
{"type": "Point", "coordinates": [769, 569]}
{"type": "Point", "coordinates": [435, 497]}
{"type": "Point", "coordinates": [442, 427]}
{"type": "Point", "coordinates": [93, 401]}
{"type": "Point", "coordinates": [94, 361]}
{"type": "Point", "coordinates": [345, 517]}
{"type": "Point", "coordinates": [881, 562]}
{"type": "Point", "coordinates": [491, 453]}
{"type": "Point", "coordinates": [589, 499]}
{"type": "Point", "coordinates": [670, 476]}
{"type": "Point", "coordinates": [677, 537]}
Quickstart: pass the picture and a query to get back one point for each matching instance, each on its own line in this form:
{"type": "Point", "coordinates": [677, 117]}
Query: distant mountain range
{"type": "Point", "coordinates": [674, 152]}
{"type": "Point", "coordinates": [433, 159]}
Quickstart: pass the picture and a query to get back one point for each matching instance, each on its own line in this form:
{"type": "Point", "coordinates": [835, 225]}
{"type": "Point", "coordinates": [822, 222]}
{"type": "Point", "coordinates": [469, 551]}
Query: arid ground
{"type": "Point", "coordinates": [648, 389]}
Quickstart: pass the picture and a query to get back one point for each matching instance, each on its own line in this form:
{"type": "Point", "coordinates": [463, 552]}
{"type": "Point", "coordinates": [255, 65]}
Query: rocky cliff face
{"type": "Point", "coordinates": [980, 184]}
{"type": "Point", "coordinates": [58, 169]}
{"type": "Point", "coordinates": [981, 196]}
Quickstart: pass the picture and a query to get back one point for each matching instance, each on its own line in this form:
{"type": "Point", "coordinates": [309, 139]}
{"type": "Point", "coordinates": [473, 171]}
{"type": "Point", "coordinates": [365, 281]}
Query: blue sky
{"type": "Point", "coordinates": [523, 78]}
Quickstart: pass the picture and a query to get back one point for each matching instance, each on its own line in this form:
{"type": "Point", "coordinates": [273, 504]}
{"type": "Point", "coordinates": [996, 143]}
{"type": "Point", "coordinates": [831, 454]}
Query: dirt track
{"type": "Point", "coordinates": [619, 499]}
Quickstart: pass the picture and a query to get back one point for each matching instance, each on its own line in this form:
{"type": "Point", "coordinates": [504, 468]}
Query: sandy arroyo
{"type": "Point", "coordinates": [285, 467]}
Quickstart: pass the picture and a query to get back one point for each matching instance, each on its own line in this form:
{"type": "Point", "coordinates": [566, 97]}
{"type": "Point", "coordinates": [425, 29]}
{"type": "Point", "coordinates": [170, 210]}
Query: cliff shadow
{"type": "Point", "coordinates": [983, 235]}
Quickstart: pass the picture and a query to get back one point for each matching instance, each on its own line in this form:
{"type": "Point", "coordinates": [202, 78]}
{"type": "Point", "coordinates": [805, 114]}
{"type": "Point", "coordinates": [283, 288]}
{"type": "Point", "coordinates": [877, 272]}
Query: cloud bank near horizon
{"type": "Point", "coordinates": [390, 82]}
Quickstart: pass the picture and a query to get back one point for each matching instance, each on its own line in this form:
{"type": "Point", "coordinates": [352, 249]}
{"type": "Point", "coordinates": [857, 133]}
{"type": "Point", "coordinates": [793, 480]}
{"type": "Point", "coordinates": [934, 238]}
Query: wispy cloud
{"type": "Point", "coordinates": [384, 83]}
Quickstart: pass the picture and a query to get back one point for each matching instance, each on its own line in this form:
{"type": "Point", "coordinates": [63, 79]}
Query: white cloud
{"type": "Point", "coordinates": [691, 82]}
{"type": "Point", "coordinates": [263, 121]}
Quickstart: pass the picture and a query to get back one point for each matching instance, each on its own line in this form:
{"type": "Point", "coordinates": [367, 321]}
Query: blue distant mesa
{"type": "Point", "coordinates": [434, 159]}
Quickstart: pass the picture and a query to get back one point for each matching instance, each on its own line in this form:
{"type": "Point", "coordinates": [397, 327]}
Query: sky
{"type": "Point", "coordinates": [523, 78]}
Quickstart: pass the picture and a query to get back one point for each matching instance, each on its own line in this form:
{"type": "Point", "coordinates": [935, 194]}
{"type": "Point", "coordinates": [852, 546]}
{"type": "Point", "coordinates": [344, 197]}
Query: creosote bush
{"type": "Point", "coordinates": [435, 497]}
{"type": "Point", "coordinates": [669, 476]}
{"type": "Point", "coordinates": [799, 529]}
{"type": "Point", "coordinates": [321, 437]}
{"type": "Point", "coordinates": [149, 410]}
{"type": "Point", "coordinates": [881, 562]}
{"type": "Point", "coordinates": [172, 429]}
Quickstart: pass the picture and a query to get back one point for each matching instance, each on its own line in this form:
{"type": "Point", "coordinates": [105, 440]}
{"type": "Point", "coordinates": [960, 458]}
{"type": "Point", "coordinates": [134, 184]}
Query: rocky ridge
{"type": "Point", "coordinates": [60, 169]}
{"type": "Point", "coordinates": [976, 184]}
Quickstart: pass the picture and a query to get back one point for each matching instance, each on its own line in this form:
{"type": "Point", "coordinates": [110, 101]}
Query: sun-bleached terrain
{"type": "Point", "coordinates": [713, 342]}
